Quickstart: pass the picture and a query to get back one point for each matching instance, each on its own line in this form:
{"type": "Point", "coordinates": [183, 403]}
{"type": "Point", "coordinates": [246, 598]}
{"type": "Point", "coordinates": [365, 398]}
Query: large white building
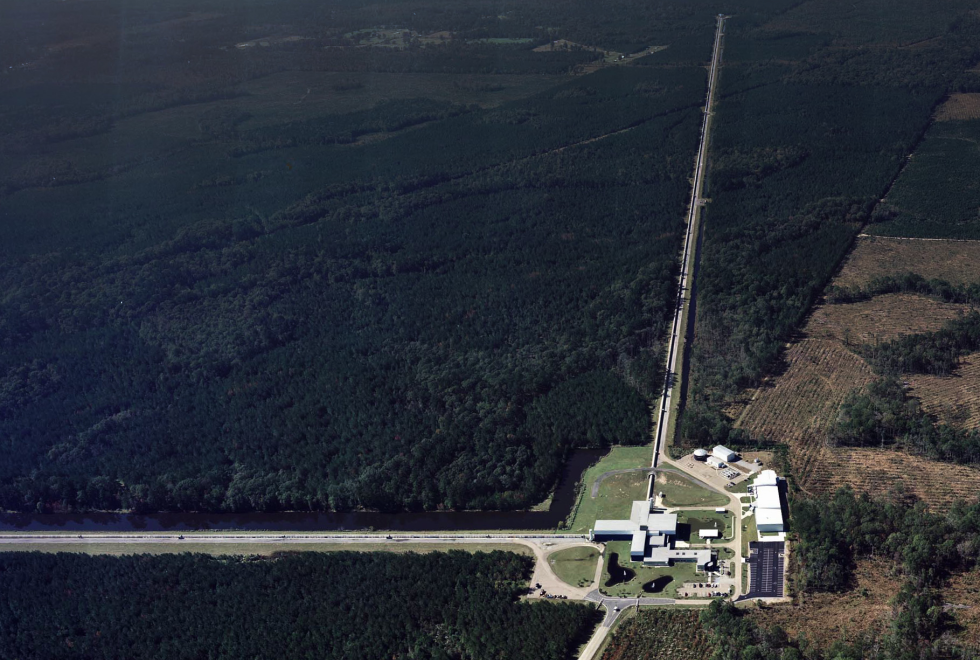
{"type": "Point", "coordinates": [767, 502]}
{"type": "Point", "coordinates": [651, 533]}
{"type": "Point", "coordinates": [724, 454]}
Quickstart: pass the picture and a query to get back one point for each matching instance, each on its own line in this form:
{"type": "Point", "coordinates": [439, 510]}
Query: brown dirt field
{"type": "Point", "coordinates": [955, 399]}
{"type": "Point", "coordinates": [880, 471]}
{"type": "Point", "coordinates": [957, 262]}
{"type": "Point", "coordinates": [828, 617]}
{"type": "Point", "coordinates": [959, 106]}
{"type": "Point", "coordinates": [964, 590]}
{"type": "Point", "coordinates": [797, 407]}
{"type": "Point", "coordinates": [882, 318]}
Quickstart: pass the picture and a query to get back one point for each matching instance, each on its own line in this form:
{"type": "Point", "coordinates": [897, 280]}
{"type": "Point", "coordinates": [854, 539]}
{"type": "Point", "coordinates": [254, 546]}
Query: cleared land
{"type": "Point", "coordinates": [882, 318]}
{"type": "Point", "coordinates": [957, 262]}
{"type": "Point", "coordinates": [797, 406]}
{"type": "Point", "coordinates": [611, 491]}
{"type": "Point", "coordinates": [959, 107]}
{"type": "Point", "coordinates": [575, 566]}
{"type": "Point", "coordinates": [826, 617]}
{"type": "Point", "coordinates": [679, 491]}
{"type": "Point", "coordinates": [954, 399]}
{"type": "Point", "coordinates": [669, 634]}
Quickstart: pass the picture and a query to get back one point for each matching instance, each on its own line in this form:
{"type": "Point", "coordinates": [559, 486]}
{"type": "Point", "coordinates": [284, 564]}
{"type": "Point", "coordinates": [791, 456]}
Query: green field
{"type": "Point", "coordinates": [705, 520]}
{"type": "Point", "coordinates": [575, 566]}
{"type": "Point", "coordinates": [679, 573]}
{"type": "Point", "coordinates": [616, 492]}
{"type": "Point", "coordinates": [679, 491]}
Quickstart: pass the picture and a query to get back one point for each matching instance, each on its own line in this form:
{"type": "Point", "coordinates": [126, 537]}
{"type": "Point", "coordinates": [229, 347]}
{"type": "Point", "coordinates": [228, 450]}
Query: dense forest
{"type": "Point", "coordinates": [937, 195]}
{"type": "Point", "coordinates": [818, 115]}
{"type": "Point", "coordinates": [327, 605]}
{"type": "Point", "coordinates": [301, 290]}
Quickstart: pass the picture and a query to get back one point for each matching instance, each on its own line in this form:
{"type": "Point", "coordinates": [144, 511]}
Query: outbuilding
{"type": "Point", "coordinates": [724, 454]}
{"type": "Point", "coordinates": [709, 533]}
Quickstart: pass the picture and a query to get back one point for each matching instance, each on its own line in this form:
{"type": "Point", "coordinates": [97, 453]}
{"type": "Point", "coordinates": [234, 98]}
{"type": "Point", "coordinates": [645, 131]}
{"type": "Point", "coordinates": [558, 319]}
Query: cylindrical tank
{"type": "Point", "coordinates": [700, 454]}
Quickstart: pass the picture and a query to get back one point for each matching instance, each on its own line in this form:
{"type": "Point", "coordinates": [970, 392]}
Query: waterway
{"type": "Point", "coordinates": [561, 505]}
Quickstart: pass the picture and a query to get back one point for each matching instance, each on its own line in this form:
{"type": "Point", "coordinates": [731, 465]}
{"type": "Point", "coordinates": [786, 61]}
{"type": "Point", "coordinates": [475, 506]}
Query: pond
{"type": "Point", "coordinates": [618, 574]}
{"type": "Point", "coordinates": [657, 586]}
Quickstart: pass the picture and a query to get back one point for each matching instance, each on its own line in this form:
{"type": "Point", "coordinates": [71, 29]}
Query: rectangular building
{"type": "Point", "coordinates": [639, 545]}
{"type": "Point", "coordinates": [723, 453]}
{"type": "Point", "coordinates": [769, 520]}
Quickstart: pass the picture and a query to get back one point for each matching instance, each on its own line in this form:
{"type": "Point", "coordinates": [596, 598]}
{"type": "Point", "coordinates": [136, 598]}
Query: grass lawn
{"type": "Point", "coordinates": [741, 487]}
{"type": "Point", "coordinates": [615, 492]}
{"type": "Point", "coordinates": [575, 566]}
{"type": "Point", "coordinates": [749, 533]}
{"type": "Point", "coordinates": [679, 573]}
{"type": "Point", "coordinates": [705, 520]}
{"type": "Point", "coordinates": [678, 491]}
{"type": "Point", "coordinates": [261, 548]}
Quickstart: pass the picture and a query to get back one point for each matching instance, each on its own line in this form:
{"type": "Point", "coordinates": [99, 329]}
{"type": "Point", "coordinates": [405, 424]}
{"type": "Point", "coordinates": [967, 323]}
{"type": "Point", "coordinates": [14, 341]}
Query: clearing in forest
{"type": "Point", "coordinates": [953, 399]}
{"type": "Point", "coordinates": [674, 634]}
{"type": "Point", "coordinates": [827, 617]}
{"type": "Point", "coordinates": [959, 106]}
{"type": "Point", "coordinates": [957, 262]}
{"type": "Point", "coordinates": [882, 318]}
{"type": "Point", "coordinates": [798, 406]}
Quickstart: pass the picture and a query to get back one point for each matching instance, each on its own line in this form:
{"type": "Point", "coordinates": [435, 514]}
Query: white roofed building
{"type": "Point", "coordinates": [724, 454]}
{"type": "Point", "coordinates": [767, 502]}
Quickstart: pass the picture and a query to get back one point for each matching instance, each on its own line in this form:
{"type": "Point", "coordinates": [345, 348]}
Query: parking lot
{"type": "Point", "coordinates": [766, 569]}
{"type": "Point", "coordinates": [730, 474]}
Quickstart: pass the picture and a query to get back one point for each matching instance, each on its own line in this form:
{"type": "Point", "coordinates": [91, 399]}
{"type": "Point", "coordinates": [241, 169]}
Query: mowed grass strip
{"type": "Point", "coordinates": [575, 566]}
{"type": "Point", "coordinates": [678, 491]}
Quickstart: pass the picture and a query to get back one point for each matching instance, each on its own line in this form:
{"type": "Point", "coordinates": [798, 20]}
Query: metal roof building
{"type": "Point", "coordinates": [724, 453]}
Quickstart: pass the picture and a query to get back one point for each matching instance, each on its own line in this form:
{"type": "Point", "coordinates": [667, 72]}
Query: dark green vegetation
{"type": "Point", "coordinates": [651, 634]}
{"type": "Point", "coordinates": [310, 274]}
{"type": "Point", "coordinates": [819, 110]}
{"type": "Point", "coordinates": [937, 195]}
{"type": "Point", "coordinates": [350, 605]}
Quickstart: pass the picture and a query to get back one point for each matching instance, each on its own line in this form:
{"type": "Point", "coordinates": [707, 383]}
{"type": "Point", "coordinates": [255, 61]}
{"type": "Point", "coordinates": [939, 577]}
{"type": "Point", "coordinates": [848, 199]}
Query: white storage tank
{"type": "Point", "coordinates": [700, 455]}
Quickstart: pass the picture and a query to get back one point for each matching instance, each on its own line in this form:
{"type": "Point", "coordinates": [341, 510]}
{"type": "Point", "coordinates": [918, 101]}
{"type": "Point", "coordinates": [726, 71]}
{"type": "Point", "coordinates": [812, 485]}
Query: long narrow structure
{"type": "Point", "coordinates": [676, 345]}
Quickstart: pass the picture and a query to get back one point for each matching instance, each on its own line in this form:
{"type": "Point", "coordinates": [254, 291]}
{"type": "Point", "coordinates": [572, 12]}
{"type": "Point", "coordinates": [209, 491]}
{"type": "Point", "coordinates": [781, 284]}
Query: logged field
{"type": "Point", "coordinates": [826, 617]}
{"type": "Point", "coordinates": [659, 635]}
{"type": "Point", "coordinates": [799, 404]}
{"type": "Point", "coordinates": [959, 106]}
{"type": "Point", "coordinates": [882, 471]}
{"type": "Point", "coordinates": [957, 262]}
{"type": "Point", "coordinates": [882, 318]}
{"type": "Point", "coordinates": [954, 399]}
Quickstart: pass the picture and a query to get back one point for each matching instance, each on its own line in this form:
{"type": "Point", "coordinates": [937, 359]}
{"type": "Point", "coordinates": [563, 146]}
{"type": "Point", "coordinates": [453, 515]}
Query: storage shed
{"type": "Point", "coordinates": [724, 454]}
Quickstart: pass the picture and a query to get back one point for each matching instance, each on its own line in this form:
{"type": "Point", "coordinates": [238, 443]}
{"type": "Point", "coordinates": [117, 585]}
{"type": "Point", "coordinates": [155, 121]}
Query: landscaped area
{"type": "Point", "coordinates": [616, 492]}
{"type": "Point", "coordinates": [625, 579]}
{"type": "Point", "coordinates": [575, 566]}
{"type": "Point", "coordinates": [680, 491]}
{"type": "Point", "coordinates": [689, 522]}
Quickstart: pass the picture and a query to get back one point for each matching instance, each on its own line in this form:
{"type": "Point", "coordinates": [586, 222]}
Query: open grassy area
{"type": "Point", "coordinates": [615, 492]}
{"type": "Point", "coordinates": [260, 548]}
{"type": "Point", "coordinates": [749, 533]}
{"type": "Point", "coordinates": [678, 491]}
{"type": "Point", "coordinates": [575, 566]}
{"type": "Point", "coordinates": [642, 575]}
{"type": "Point", "coordinates": [705, 520]}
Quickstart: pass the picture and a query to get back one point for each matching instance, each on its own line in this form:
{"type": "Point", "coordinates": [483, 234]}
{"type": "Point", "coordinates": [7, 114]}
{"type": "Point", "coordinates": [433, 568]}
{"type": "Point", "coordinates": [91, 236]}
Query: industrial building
{"type": "Point", "coordinates": [767, 502]}
{"type": "Point", "coordinates": [724, 454]}
{"type": "Point", "coordinates": [651, 534]}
